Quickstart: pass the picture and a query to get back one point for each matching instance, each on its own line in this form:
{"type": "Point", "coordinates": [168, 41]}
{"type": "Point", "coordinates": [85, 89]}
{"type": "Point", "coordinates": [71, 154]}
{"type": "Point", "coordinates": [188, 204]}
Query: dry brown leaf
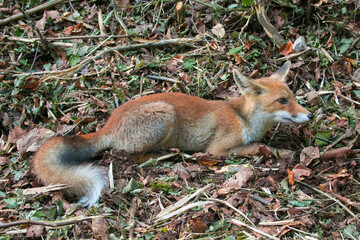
{"type": "Point", "coordinates": [123, 4]}
{"type": "Point", "coordinates": [31, 141]}
{"type": "Point", "coordinates": [74, 29]}
{"type": "Point", "coordinates": [98, 102]}
{"type": "Point", "coordinates": [239, 179]}
{"type": "Point", "coordinates": [206, 159]}
{"type": "Point", "coordinates": [299, 171]}
{"type": "Point", "coordinates": [286, 49]}
{"type": "Point", "coordinates": [35, 231]}
{"type": "Point", "coordinates": [291, 179]}
{"type": "Point", "coordinates": [3, 160]}
{"type": "Point", "coordinates": [197, 225]}
{"type": "Point", "coordinates": [218, 30]}
{"type": "Point", "coordinates": [98, 226]}
{"type": "Point", "coordinates": [15, 134]}
{"type": "Point", "coordinates": [308, 154]}
{"type": "Point", "coordinates": [337, 153]}
{"type": "Point", "coordinates": [54, 15]}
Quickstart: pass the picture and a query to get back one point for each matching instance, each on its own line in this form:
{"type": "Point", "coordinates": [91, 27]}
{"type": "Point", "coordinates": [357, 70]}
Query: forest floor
{"type": "Point", "coordinates": [94, 56]}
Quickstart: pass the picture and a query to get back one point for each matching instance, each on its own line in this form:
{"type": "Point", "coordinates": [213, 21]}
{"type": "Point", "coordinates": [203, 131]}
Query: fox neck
{"type": "Point", "coordinates": [255, 120]}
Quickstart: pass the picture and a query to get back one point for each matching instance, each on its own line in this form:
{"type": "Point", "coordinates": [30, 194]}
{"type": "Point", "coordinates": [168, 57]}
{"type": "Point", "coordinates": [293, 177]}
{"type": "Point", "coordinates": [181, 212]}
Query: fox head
{"type": "Point", "coordinates": [272, 98]}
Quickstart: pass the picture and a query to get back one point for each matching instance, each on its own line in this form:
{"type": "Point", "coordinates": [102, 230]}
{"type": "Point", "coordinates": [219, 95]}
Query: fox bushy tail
{"type": "Point", "coordinates": [66, 160]}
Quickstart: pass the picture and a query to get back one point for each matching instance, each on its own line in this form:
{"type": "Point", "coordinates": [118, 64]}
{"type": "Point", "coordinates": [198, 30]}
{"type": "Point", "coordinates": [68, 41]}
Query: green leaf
{"type": "Point", "coordinates": [232, 6]}
{"type": "Point", "coordinates": [235, 50]}
{"type": "Point", "coordinates": [189, 63]}
{"type": "Point", "coordinates": [82, 51]}
{"type": "Point", "coordinates": [357, 93]}
{"type": "Point", "coordinates": [149, 163]}
{"type": "Point", "coordinates": [247, 2]}
{"type": "Point", "coordinates": [11, 202]}
{"type": "Point", "coordinates": [321, 137]}
{"type": "Point", "coordinates": [132, 185]}
{"type": "Point", "coordinates": [74, 59]}
{"type": "Point", "coordinates": [47, 66]}
{"type": "Point", "coordinates": [345, 44]}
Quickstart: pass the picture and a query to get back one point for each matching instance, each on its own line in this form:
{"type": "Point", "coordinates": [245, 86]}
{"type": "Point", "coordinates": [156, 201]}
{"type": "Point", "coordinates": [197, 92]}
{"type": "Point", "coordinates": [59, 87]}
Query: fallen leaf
{"type": "Point", "coordinates": [337, 153]}
{"type": "Point", "coordinates": [286, 49]}
{"type": "Point", "coordinates": [308, 154]}
{"type": "Point", "coordinates": [3, 160]}
{"type": "Point", "coordinates": [16, 134]}
{"type": "Point", "coordinates": [98, 102]}
{"type": "Point", "coordinates": [98, 226]}
{"type": "Point", "coordinates": [35, 231]}
{"type": "Point", "coordinates": [74, 29]}
{"type": "Point", "coordinates": [312, 98]}
{"type": "Point", "coordinates": [54, 15]}
{"type": "Point", "coordinates": [239, 179]}
{"type": "Point", "coordinates": [299, 171]}
{"type": "Point", "coordinates": [218, 30]}
{"type": "Point", "coordinates": [206, 159]}
{"type": "Point", "coordinates": [197, 225]}
{"type": "Point", "coordinates": [31, 141]}
{"type": "Point", "coordinates": [346, 201]}
{"type": "Point", "coordinates": [291, 179]}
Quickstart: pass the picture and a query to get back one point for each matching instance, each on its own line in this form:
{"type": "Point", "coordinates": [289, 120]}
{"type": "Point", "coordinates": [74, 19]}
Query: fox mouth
{"type": "Point", "coordinates": [293, 121]}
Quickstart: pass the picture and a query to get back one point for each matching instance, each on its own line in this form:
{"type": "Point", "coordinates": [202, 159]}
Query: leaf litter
{"type": "Point", "coordinates": [312, 192]}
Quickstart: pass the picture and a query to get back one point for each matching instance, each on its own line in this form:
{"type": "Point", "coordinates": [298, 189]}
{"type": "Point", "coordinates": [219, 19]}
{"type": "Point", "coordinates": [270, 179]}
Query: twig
{"type": "Point", "coordinates": [132, 212]}
{"type": "Point", "coordinates": [232, 207]}
{"type": "Point", "coordinates": [179, 83]}
{"type": "Point", "coordinates": [34, 28]}
{"type": "Point", "coordinates": [47, 223]}
{"type": "Point", "coordinates": [67, 132]}
{"type": "Point", "coordinates": [185, 208]}
{"type": "Point", "coordinates": [243, 28]}
{"type": "Point", "coordinates": [268, 27]}
{"type": "Point", "coordinates": [350, 100]}
{"type": "Point", "coordinates": [118, 18]}
{"type": "Point", "coordinates": [242, 224]}
{"type": "Point", "coordinates": [181, 202]}
{"type": "Point", "coordinates": [303, 232]}
{"type": "Point", "coordinates": [83, 64]}
{"type": "Point", "coordinates": [31, 11]}
{"type": "Point", "coordinates": [31, 40]}
{"type": "Point", "coordinates": [332, 198]}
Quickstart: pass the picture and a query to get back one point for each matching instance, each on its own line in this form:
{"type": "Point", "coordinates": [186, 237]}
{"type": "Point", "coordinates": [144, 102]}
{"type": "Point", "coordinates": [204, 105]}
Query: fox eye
{"type": "Point", "coordinates": [282, 101]}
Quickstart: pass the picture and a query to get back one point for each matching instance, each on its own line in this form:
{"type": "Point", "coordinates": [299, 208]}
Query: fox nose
{"type": "Point", "coordinates": [310, 116]}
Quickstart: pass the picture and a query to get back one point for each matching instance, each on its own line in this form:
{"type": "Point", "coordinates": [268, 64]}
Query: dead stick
{"type": "Point", "coordinates": [179, 83]}
{"type": "Point", "coordinates": [268, 27]}
{"type": "Point", "coordinates": [34, 28]}
{"type": "Point", "coordinates": [160, 44]}
{"type": "Point", "coordinates": [30, 11]}
{"type": "Point", "coordinates": [47, 223]}
{"type": "Point", "coordinates": [332, 198]}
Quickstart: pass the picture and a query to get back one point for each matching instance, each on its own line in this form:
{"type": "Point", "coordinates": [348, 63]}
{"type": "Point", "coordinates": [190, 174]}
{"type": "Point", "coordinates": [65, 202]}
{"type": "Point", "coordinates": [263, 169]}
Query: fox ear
{"type": "Point", "coordinates": [247, 85]}
{"type": "Point", "coordinates": [282, 72]}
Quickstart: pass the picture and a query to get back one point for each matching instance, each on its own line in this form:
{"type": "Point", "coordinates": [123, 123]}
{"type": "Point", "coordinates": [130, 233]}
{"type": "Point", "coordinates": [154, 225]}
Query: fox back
{"type": "Point", "coordinates": [167, 120]}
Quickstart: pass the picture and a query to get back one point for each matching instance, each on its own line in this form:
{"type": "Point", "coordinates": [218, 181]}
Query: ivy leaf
{"type": "Point", "coordinates": [247, 2]}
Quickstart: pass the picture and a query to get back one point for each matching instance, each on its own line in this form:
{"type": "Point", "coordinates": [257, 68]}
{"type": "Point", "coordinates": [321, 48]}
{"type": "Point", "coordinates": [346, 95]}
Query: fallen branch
{"type": "Point", "coordinates": [268, 27]}
{"type": "Point", "coordinates": [45, 189]}
{"type": "Point", "coordinates": [160, 44]}
{"type": "Point", "coordinates": [332, 198]}
{"type": "Point", "coordinates": [179, 83]}
{"type": "Point", "coordinates": [180, 203]}
{"type": "Point", "coordinates": [242, 224]}
{"type": "Point", "coordinates": [47, 223]}
{"type": "Point", "coordinates": [232, 207]}
{"type": "Point", "coordinates": [31, 11]}
{"type": "Point", "coordinates": [185, 208]}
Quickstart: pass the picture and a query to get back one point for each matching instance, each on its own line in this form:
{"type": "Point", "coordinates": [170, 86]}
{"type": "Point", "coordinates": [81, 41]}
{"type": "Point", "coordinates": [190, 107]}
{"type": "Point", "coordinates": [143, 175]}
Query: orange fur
{"type": "Point", "coordinates": [166, 120]}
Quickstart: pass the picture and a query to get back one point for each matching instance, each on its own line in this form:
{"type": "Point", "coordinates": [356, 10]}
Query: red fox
{"type": "Point", "coordinates": [171, 120]}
